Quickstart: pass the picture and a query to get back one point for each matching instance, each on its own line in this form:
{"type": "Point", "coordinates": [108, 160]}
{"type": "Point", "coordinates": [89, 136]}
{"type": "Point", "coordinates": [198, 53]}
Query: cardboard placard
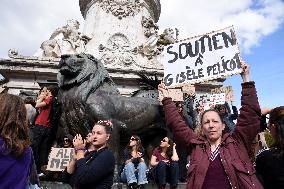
{"type": "Point", "coordinates": [59, 158]}
{"type": "Point", "coordinates": [175, 94]}
{"type": "Point", "coordinates": [228, 90]}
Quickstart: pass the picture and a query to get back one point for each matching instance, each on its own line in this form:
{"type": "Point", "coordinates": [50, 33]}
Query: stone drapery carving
{"type": "Point", "coordinates": [72, 42]}
{"type": "Point", "coordinates": [117, 51]}
{"type": "Point", "coordinates": [121, 8]}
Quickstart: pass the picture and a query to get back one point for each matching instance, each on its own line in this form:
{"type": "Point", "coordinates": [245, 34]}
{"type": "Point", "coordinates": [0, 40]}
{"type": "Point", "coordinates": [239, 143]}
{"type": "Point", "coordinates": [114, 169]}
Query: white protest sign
{"type": "Point", "coordinates": [218, 98]}
{"type": "Point", "coordinates": [207, 100]}
{"type": "Point", "coordinates": [59, 158]}
{"type": "Point", "coordinates": [202, 58]}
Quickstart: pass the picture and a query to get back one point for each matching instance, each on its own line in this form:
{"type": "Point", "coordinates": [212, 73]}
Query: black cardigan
{"type": "Point", "coordinates": [95, 171]}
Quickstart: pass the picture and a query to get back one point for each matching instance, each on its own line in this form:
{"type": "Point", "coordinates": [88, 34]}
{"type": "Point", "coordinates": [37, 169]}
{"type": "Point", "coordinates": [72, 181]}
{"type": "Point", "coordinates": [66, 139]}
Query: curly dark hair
{"type": "Point", "coordinates": [14, 124]}
{"type": "Point", "coordinates": [276, 117]}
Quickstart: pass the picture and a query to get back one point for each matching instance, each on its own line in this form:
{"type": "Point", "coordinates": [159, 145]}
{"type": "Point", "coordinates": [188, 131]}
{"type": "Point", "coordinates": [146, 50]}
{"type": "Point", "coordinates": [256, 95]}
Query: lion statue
{"type": "Point", "coordinates": [88, 94]}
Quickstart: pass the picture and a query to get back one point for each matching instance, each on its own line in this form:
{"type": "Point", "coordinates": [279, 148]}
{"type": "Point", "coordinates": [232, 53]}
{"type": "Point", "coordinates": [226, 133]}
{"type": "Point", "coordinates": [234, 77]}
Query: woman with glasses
{"type": "Point", "coordinates": [164, 163]}
{"type": "Point", "coordinates": [270, 162]}
{"type": "Point", "coordinates": [219, 159]}
{"type": "Point", "coordinates": [135, 169]}
{"type": "Point", "coordinates": [96, 169]}
{"type": "Point", "coordinates": [67, 141]}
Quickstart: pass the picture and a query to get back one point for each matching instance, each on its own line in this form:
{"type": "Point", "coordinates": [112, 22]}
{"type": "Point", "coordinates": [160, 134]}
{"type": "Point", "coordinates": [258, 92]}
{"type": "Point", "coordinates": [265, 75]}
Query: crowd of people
{"type": "Point", "coordinates": [217, 147]}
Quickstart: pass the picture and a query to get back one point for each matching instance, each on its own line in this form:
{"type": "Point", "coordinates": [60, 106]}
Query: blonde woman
{"type": "Point", "coordinates": [96, 169]}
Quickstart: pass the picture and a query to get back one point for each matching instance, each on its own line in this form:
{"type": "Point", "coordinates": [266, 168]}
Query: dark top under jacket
{"type": "Point", "coordinates": [270, 169]}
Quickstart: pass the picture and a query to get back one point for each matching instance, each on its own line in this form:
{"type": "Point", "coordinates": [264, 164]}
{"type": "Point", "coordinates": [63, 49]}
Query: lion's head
{"type": "Point", "coordinates": [84, 73]}
{"type": "Point", "coordinates": [77, 68]}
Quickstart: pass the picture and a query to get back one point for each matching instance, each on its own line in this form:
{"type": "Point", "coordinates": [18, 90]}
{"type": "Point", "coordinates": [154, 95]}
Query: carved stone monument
{"type": "Point", "coordinates": [127, 26]}
{"type": "Point", "coordinates": [123, 34]}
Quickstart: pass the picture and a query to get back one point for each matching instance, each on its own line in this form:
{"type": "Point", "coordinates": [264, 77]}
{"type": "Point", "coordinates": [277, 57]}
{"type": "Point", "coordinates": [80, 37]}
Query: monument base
{"type": "Point", "coordinates": [60, 185]}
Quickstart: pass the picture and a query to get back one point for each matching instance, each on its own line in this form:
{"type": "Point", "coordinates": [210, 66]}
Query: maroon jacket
{"type": "Point", "coordinates": [234, 147]}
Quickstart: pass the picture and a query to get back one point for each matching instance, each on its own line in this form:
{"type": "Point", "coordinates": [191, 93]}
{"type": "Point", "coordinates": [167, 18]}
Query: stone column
{"type": "Point", "coordinates": [119, 29]}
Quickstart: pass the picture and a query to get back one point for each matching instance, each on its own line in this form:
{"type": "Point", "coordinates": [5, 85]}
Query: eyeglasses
{"type": "Point", "coordinates": [132, 139]}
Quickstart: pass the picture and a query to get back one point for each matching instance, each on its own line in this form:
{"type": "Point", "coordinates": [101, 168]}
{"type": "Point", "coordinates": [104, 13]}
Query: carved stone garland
{"type": "Point", "coordinates": [121, 8]}
{"type": "Point", "coordinates": [117, 51]}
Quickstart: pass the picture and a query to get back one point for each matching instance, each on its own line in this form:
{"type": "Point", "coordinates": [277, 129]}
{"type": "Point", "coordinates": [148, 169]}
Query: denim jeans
{"type": "Point", "coordinates": [166, 173]}
{"type": "Point", "coordinates": [130, 174]}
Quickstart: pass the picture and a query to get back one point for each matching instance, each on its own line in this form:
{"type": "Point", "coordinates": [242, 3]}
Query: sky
{"type": "Point", "coordinates": [259, 26]}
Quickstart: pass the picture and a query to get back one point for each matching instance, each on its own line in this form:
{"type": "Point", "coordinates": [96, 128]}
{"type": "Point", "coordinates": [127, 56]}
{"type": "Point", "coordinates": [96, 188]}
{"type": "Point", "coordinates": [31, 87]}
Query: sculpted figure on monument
{"type": "Point", "coordinates": [155, 43]}
{"type": "Point", "coordinates": [72, 42]}
{"type": "Point", "coordinates": [167, 37]}
{"type": "Point", "coordinates": [89, 94]}
{"type": "Point", "coordinates": [150, 27]}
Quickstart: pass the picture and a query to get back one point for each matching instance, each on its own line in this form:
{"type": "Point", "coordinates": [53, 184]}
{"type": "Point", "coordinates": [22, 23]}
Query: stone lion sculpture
{"type": "Point", "coordinates": [88, 94]}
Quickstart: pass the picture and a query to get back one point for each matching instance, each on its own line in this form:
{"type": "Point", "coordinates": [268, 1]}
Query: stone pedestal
{"type": "Point", "coordinates": [58, 185]}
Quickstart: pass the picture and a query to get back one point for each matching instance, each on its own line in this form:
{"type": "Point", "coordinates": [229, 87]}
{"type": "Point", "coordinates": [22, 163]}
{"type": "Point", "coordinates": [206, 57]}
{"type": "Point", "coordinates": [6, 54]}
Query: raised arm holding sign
{"type": "Point", "coordinates": [217, 156]}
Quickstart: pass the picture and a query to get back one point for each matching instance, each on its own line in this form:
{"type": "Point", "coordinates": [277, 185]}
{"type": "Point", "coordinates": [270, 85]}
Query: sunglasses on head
{"type": "Point", "coordinates": [164, 140]}
{"type": "Point", "coordinates": [132, 139]}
